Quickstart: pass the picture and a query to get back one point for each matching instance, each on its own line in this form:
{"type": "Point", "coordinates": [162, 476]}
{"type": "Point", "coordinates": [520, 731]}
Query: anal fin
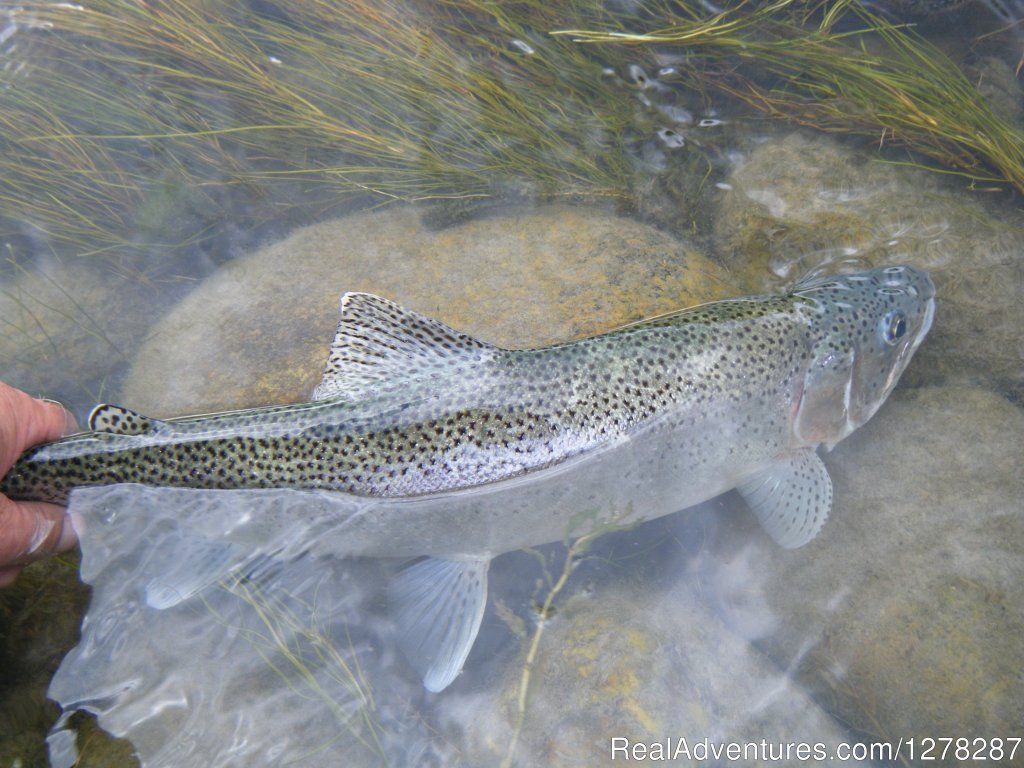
{"type": "Point", "coordinates": [791, 498]}
{"type": "Point", "coordinates": [437, 606]}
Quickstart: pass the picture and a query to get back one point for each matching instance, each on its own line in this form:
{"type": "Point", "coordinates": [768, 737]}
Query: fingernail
{"type": "Point", "coordinates": [43, 529]}
{"type": "Point", "coordinates": [68, 535]}
{"type": "Point", "coordinates": [70, 423]}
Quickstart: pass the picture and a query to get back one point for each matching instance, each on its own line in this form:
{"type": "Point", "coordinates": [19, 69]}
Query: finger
{"type": "Point", "coordinates": [44, 420]}
{"type": "Point", "coordinates": [70, 422]}
{"type": "Point", "coordinates": [25, 421]}
{"type": "Point", "coordinates": [31, 530]}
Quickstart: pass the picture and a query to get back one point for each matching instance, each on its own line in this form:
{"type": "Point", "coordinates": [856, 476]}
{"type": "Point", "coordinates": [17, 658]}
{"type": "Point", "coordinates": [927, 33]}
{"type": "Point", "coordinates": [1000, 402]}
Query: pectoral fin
{"type": "Point", "coordinates": [437, 606]}
{"type": "Point", "coordinates": [791, 498]}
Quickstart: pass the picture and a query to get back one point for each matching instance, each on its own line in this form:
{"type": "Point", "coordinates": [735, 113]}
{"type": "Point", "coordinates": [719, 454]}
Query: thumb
{"type": "Point", "coordinates": [31, 530]}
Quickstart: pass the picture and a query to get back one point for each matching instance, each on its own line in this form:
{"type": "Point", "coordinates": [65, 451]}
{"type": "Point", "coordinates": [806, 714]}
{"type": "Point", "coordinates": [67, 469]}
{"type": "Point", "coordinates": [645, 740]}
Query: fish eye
{"type": "Point", "coordinates": [894, 326]}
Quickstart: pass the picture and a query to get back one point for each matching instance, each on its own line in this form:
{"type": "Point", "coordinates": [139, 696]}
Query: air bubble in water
{"type": "Point", "coordinates": [671, 139]}
{"type": "Point", "coordinates": [638, 76]}
{"type": "Point", "coordinates": [523, 47]}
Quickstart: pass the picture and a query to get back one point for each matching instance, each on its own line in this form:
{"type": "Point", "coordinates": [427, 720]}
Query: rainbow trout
{"type": "Point", "coordinates": [458, 450]}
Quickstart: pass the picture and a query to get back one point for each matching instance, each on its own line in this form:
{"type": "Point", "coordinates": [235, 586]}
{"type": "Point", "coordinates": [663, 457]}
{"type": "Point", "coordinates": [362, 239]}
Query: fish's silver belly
{"type": "Point", "coordinates": [664, 467]}
{"type": "Point", "coordinates": [651, 473]}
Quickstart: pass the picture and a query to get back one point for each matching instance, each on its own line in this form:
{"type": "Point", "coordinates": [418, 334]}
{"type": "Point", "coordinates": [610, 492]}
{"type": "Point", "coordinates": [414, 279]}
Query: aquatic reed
{"type": "Point", "coordinates": [368, 100]}
{"type": "Point", "coordinates": [124, 114]}
{"type": "Point", "coordinates": [796, 62]}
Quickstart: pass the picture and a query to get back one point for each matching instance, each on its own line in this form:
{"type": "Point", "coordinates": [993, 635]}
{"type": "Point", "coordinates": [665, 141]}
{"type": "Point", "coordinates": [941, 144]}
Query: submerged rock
{"type": "Point", "coordinates": [258, 331]}
{"type": "Point", "coordinates": [997, 83]}
{"type": "Point", "coordinates": [639, 666]}
{"type": "Point", "coordinates": [69, 325]}
{"type": "Point", "coordinates": [805, 200]}
{"type": "Point", "coordinates": [906, 614]}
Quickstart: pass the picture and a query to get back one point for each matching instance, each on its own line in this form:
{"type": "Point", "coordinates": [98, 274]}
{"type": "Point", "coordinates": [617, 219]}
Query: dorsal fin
{"type": "Point", "coordinates": [378, 341]}
{"type": "Point", "coordinates": [120, 421]}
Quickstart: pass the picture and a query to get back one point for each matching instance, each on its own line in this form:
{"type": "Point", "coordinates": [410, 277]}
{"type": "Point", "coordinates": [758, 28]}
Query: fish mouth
{"type": "Point", "coordinates": [901, 364]}
{"type": "Point", "coordinates": [926, 324]}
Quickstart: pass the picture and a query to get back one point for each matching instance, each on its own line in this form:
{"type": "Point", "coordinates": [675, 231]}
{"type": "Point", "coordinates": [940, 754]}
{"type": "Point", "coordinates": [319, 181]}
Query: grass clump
{"type": "Point", "coordinates": [806, 64]}
{"type": "Point", "coordinates": [120, 116]}
{"type": "Point", "coordinates": [361, 101]}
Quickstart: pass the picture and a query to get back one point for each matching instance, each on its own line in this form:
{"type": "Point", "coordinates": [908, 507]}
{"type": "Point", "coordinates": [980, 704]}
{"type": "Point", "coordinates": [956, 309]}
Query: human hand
{"type": "Point", "coordinates": [29, 530]}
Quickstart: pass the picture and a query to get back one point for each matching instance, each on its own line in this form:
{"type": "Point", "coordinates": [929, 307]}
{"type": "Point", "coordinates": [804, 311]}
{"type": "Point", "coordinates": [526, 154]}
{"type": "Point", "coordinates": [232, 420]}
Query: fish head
{"type": "Point", "coordinates": [864, 327]}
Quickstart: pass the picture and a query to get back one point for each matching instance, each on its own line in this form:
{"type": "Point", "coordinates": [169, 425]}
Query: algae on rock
{"type": "Point", "coordinates": [642, 666]}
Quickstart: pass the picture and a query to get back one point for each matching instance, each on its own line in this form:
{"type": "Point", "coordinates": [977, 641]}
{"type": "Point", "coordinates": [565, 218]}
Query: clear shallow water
{"type": "Point", "coordinates": [265, 671]}
{"type": "Point", "coordinates": [293, 660]}
{"type": "Point", "coordinates": [901, 620]}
